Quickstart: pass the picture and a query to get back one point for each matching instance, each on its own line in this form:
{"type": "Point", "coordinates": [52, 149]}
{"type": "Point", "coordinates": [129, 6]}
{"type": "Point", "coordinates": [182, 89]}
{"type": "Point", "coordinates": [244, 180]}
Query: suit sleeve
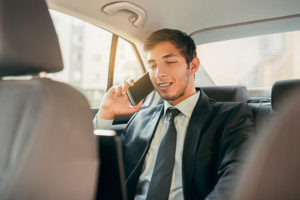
{"type": "Point", "coordinates": [234, 139]}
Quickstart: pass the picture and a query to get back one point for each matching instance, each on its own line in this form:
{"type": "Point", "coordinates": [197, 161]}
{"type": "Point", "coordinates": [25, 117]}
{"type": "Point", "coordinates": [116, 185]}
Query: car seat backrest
{"type": "Point", "coordinates": [47, 146]}
{"type": "Point", "coordinates": [227, 93]}
{"type": "Point", "coordinates": [281, 91]}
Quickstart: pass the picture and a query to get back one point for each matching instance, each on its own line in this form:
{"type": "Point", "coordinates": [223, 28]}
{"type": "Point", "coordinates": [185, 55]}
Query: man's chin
{"type": "Point", "coordinates": [168, 97]}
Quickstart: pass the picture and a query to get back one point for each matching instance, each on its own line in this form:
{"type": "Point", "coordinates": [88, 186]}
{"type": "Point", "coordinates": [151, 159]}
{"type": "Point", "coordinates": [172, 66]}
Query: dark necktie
{"type": "Point", "coordinates": [162, 174]}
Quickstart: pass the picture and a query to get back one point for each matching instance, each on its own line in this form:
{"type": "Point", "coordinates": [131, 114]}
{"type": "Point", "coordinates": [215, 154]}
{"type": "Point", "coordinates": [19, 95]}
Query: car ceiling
{"type": "Point", "coordinates": [205, 20]}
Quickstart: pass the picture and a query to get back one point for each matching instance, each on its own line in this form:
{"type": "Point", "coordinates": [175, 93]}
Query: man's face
{"type": "Point", "coordinates": [170, 74]}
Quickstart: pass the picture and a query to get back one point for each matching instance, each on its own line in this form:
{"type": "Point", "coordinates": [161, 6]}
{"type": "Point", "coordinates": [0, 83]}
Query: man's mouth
{"type": "Point", "coordinates": [164, 86]}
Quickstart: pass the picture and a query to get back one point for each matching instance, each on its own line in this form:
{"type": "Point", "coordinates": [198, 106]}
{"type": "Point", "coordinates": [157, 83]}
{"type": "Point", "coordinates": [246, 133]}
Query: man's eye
{"type": "Point", "coordinates": [171, 62]}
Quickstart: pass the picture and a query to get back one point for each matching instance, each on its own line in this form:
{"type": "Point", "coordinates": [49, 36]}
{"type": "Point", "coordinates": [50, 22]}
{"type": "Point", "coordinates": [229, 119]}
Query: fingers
{"type": "Point", "coordinates": [122, 89]}
{"type": "Point", "coordinates": [125, 87]}
{"type": "Point", "coordinates": [131, 82]}
{"type": "Point", "coordinates": [127, 84]}
{"type": "Point", "coordinates": [118, 91]}
{"type": "Point", "coordinates": [137, 107]}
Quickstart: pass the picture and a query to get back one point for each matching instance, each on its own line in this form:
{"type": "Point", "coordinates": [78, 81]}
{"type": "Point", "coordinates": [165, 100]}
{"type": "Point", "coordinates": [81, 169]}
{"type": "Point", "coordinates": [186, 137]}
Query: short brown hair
{"type": "Point", "coordinates": [179, 39]}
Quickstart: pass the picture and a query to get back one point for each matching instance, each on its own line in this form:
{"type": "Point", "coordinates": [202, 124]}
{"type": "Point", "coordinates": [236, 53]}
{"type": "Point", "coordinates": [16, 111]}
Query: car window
{"type": "Point", "coordinates": [255, 62]}
{"type": "Point", "coordinates": [86, 52]}
{"type": "Point", "coordinates": [85, 49]}
{"type": "Point", "coordinates": [127, 65]}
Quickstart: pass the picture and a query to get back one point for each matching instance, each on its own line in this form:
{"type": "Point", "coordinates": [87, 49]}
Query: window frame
{"type": "Point", "coordinates": [112, 58]}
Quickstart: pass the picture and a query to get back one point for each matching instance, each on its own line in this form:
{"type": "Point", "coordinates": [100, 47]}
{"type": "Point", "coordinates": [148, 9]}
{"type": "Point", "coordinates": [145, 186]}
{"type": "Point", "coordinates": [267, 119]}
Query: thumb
{"type": "Point", "coordinates": [137, 107]}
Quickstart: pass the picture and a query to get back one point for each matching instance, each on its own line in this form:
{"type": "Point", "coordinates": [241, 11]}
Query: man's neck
{"type": "Point", "coordinates": [186, 106]}
{"type": "Point", "coordinates": [182, 98]}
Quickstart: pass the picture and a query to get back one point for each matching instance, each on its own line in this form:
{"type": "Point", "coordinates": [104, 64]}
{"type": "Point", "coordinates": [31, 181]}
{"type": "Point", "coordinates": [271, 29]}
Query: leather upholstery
{"type": "Point", "coordinates": [281, 90]}
{"type": "Point", "coordinates": [227, 93]}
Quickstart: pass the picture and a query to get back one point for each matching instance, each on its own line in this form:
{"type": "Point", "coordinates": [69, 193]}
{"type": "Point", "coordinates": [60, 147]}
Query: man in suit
{"type": "Point", "coordinates": [209, 134]}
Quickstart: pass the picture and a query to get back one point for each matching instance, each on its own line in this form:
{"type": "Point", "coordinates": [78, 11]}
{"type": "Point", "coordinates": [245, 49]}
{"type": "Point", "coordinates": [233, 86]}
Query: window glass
{"type": "Point", "coordinates": [127, 65]}
{"type": "Point", "coordinates": [85, 49]}
{"type": "Point", "coordinates": [255, 62]}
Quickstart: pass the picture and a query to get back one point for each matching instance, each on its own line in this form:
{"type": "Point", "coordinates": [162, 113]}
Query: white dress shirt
{"type": "Point", "coordinates": [186, 108]}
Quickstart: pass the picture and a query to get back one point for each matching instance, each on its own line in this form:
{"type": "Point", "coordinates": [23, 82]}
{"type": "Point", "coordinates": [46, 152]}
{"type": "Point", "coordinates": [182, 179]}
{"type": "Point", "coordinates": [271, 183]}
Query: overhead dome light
{"type": "Point", "coordinates": [138, 16]}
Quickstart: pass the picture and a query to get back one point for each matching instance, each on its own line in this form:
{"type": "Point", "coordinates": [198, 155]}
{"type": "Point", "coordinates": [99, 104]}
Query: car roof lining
{"type": "Point", "coordinates": [206, 15]}
{"type": "Point", "coordinates": [247, 29]}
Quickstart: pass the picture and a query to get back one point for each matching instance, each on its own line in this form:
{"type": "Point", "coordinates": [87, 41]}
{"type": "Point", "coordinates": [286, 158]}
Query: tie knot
{"type": "Point", "coordinates": [173, 112]}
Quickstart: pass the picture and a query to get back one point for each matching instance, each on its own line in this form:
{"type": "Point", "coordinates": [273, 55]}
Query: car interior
{"type": "Point", "coordinates": [58, 57]}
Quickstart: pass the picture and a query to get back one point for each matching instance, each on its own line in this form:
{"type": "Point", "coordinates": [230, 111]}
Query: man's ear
{"type": "Point", "coordinates": [194, 65]}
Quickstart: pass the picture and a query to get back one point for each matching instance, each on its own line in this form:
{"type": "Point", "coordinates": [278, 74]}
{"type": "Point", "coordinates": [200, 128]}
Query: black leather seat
{"type": "Point", "coordinates": [281, 91]}
{"type": "Point", "coordinates": [262, 111]}
{"type": "Point", "coordinates": [227, 93]}
{"type": "Point", "coordinates": [280, 94]}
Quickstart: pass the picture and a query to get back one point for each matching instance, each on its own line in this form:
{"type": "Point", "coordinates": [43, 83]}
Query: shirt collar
{"type": "Point", "coordinates": [186, 106]}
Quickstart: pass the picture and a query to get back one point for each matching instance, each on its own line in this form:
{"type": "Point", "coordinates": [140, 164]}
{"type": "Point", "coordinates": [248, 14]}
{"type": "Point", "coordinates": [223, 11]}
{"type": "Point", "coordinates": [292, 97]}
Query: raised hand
{"type": "Point", "coordinates": [115, 102]}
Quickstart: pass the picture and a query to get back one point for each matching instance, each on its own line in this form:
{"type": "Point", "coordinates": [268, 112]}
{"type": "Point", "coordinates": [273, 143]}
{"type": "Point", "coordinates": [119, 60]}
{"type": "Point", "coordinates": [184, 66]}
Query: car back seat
{"type": "Point", "coordinates": [265, 110]}
{"type": "Point", "coordinates": [227, 93]}
{"type": "Point", "coordinates": [262, 108]}
{"type": "Point", "coordinates": [281, 90]}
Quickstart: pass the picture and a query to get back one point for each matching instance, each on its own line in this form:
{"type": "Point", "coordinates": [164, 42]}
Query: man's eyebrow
{"type": "Point", "coordinates": [166, 56]}
{"type": "Point", "coordinates": [169, 55]}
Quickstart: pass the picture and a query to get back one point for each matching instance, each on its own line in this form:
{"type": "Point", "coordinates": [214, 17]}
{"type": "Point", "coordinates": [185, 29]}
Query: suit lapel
{"type": "Point", "coordinates": [199, 117]}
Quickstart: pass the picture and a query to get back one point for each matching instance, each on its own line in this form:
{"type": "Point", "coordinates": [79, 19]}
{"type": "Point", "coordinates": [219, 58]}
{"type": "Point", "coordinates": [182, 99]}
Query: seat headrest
{"type": "Point", "coordinates": [227, 93]}
{"type": "Point", "coordinates": [28, 41]}
{"type": "Point", "coordinates": [281, 90]}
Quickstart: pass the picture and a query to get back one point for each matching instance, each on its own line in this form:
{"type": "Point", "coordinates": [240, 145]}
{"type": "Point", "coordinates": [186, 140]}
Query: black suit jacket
{"type": "Point", "coordinates": [214, 139]}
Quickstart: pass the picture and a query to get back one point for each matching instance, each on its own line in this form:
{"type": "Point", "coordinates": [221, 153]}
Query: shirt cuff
{"type": "Point", "coordinates": [102, 123]}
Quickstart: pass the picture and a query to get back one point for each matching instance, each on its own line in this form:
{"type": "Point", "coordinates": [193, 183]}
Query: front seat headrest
{"type": "Point", "coordinates": [28, 41]}
{"type": "Point", "coordinates": [281, 90]}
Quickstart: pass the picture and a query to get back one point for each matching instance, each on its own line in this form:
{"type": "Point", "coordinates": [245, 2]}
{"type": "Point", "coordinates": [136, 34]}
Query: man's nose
{"type": "Point", "coordinates": [161, 71]}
